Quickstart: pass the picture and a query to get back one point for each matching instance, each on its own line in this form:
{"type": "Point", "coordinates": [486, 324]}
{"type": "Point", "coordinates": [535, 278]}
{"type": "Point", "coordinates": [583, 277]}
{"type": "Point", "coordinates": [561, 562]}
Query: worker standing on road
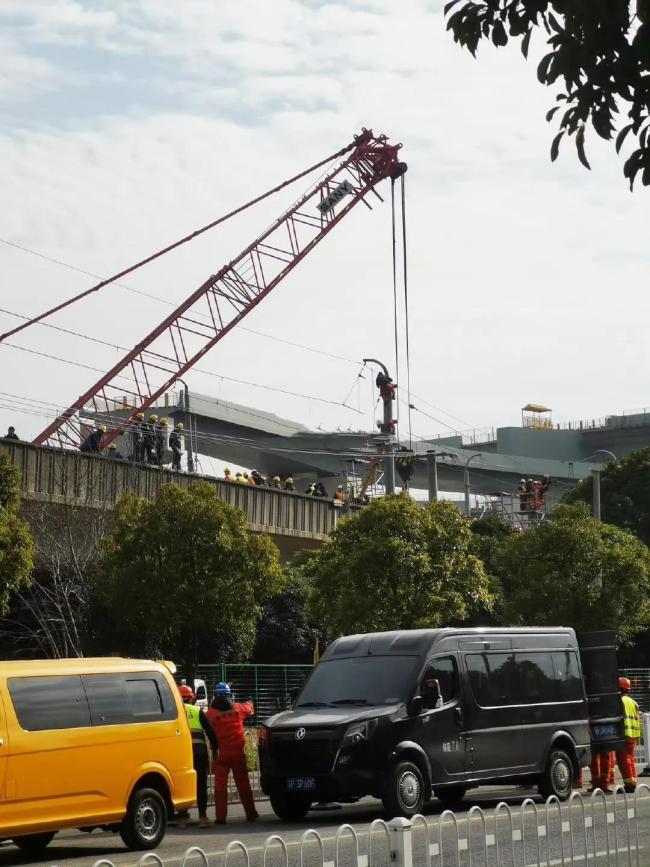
{"type": "Point", "coordinates": [175, 445]}
{"type": "Point", "coordinates": [227, 719]}
{"type": "Point", "coordinates": [200, 729]}
{"type": "Point", "coordinates": [632, 730]}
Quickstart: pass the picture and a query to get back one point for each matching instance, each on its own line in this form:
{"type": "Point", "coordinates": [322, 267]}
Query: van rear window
{"type": "Point", "coordinates": [499, 679]}
{"type": "Point", "coordinates": [44, 703]}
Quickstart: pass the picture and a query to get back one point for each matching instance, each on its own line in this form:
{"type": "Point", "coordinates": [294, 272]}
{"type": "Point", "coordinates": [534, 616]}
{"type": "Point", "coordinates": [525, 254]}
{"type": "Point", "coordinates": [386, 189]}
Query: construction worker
{"type": "Point", "coordinates": [339, 495]}
{"type": "Point", "coordinates": [161, 440]}
{"type": "Point", "coordinates": [277, 484]}
{"type": "Point", "coordinates": [175, 445]}
{"type": "Point", "coordinates": [227, 720]}
{"type": "Point", "coordinates": [228, 476]}
{"type": "Point", "coordinates": [240, 479]}
{"type": "Point", "coordinates": [288, 484]}
{"type": "Point", "coordinates": [150, 439]}
{"type": "Point", "coordinates": [258, 478]}
{"type": "Point", "coordinates": [137, 437]}
{"type": "Point", "coordinates": [386, 388]}
{"type": "Point", "coordinates": [523, 499]}
{"type": "Point", "coordinates": [93, 441]}
{"type": "Point", "coordinates": [11, 434]}
{"type": "Point", "coordinates": [632, 731]}
{"type": "Point", "coordinates": [112, 452]}
{"type": "Point", "coordinates": [200, 729]}
{"type": "Point", "coordinates": [249, 480]}
{"type": "Point", "coordinates": [601, 772]}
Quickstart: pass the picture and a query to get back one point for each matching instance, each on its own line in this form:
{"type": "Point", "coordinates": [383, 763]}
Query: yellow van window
{"type": "Point", "coordinates": [45, 703]}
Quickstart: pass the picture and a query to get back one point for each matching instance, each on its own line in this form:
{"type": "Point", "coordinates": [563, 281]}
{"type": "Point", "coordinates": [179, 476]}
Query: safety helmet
{"type": "Point", "coordinates": [153, 418]}
{"type": "Point", "coordinates": [276, 478]}
{"type": "Point", "coordinates": [237, 474]}
{"type": "Point", "coordinates": [624, 683]}
{"type": "Point", "coordinates": [226, 471]}
{"type": "Point", "coordinates": [186, 691]}
{"type": "Point", "coordinates": [245, 475]}
{"type": "Point", "coordinates": [163, 421]}
{"type": "Point", "coordinates": [289, 480]}
{"type": "Point", "coordinates": [112, 446]}
{"type": "Point", "coordinates": [180, 425]}
{"type": "Point", "coordinates": [522, 481]}
{"type": "Point", "coordinates": [529, 480]}
{"type": "Point", "coordinates": [139, 416]}
{"type": "Point", "coordinates": [222, 689]}
{"type": "Point", "coordinates": [102, 428]}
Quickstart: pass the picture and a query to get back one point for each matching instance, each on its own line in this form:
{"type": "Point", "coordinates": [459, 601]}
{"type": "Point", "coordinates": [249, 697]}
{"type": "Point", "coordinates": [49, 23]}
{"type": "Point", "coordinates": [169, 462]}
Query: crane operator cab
{"type": "Point", "coordinates": [402, 715]}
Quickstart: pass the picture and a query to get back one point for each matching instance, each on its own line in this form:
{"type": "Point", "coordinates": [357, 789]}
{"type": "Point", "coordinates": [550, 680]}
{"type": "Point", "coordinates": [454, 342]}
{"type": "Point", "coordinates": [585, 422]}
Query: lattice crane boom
{"type": "Point", "coordinates": [198, 323]}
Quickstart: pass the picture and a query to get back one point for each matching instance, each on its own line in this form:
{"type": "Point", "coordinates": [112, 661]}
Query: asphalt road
{"type": "Point", "coordinates": [75, 849]}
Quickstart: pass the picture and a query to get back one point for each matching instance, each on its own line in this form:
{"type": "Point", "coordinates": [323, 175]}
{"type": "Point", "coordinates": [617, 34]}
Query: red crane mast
{"type": "Point", "coordinates": [198, 323]}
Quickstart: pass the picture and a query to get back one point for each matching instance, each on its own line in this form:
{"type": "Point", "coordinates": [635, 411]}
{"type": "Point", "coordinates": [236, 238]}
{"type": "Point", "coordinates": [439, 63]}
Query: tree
{"type": "Point", "coordinates": [397, 566]}
{"type": "Point", "coordinates": [181, 572]}
{"type": "Point", "coordinates": [287, 632]}
{"type": "Point", "coordinates": [488, 535]}
{"type": "Point", "coordinates": [600, 49]}
{"type": "Point", "coordinates": [624, 493]}
{"type": "Point", "coordinates": [576, 571]}
{"type": "Point", "coordinates": [16, 545]}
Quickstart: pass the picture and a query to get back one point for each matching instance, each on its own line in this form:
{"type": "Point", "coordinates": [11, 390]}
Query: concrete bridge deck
{"type": "Point", "coordinates": [83, 481]}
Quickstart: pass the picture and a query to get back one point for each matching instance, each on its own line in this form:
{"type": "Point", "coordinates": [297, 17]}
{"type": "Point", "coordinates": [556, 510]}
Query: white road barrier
{"type": "Point", "coordinates": [594, 829]}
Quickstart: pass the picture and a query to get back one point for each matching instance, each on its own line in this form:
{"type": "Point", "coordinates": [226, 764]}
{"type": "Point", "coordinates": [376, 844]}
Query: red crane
{"type": "Point", "coordinates": [199, 322]}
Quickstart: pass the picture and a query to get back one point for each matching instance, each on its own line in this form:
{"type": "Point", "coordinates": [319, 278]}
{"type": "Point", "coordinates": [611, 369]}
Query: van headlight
{"type": "Point", "coordinates": [358, 732]}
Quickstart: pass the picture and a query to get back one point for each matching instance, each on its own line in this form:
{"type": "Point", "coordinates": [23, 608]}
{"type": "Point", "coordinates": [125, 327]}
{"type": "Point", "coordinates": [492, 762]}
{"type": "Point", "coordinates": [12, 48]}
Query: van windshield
{"type": "Point", "coordinates": [368, 680]}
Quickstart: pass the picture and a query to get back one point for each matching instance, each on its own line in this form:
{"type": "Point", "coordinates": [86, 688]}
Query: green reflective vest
{"type": "Point", "coordinates": [194, 719]}
{"type": "Point", "coordinates": [631, 719]}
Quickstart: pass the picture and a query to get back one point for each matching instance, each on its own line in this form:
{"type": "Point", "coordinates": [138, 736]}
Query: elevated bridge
{"type": "Point", "coordinates": [62, 478]}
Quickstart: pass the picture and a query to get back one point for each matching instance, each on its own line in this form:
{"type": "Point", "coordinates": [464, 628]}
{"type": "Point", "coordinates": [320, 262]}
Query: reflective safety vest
{"type": "Point", "coordinates": [194, 719]}
{"type": "Point", "coordinates": [632, 722]}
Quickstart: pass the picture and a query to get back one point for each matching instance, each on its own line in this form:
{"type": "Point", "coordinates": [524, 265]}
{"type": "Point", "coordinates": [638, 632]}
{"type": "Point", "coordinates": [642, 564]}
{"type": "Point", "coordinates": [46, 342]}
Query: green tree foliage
{"type": "Point", "coordinates": [575, 571]}
{"type": "Point", "coordinates": [181, 571]}
{"type": "Point", "coordinates": [488, 535]}
{"type": "Point", "coordinates": [599, 51]}
{"type": "Point", "coordinates": [16, 545]}
{"type": "Point", "coordinates": [397, 566]}
{"type": "Point", "coordinates": [624, 493]}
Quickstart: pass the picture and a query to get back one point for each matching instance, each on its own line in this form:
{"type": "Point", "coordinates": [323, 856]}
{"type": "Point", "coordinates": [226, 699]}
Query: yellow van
{"type": "Point", "coordinates": [92, 743]}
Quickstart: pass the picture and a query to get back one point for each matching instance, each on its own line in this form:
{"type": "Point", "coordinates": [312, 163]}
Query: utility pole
{"type": "Point", "coordinates": [595, 474]}
{"type": "Point", "coordinates": [468, 507]}
{"type": "Point", "coordinates": [432, 476]}
{"type": "Point", "coordinates": [387, 392]}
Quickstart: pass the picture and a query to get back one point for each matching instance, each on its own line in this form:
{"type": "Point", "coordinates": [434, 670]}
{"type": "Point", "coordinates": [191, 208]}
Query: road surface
{"type": "Point", "coordinates": [75, 849]}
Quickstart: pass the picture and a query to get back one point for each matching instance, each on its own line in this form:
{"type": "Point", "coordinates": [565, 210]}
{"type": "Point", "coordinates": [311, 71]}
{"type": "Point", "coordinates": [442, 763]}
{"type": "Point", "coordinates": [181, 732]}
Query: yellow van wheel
{"type": "Point", "coordinates": [145, 822]}
{"type": "Point", "coordinates": [33, 843]}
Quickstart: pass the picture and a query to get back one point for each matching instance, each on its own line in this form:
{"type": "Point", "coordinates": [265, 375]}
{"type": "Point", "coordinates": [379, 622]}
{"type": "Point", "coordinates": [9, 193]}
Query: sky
{"type": "Point", "coordinates": [126, 124]}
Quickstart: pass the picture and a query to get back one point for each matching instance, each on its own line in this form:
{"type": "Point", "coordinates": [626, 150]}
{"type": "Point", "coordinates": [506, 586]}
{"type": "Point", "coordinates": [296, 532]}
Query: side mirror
{"type": "Point", "coordinates": [415, 706]}
{"type": "Point", "coordinates": [430, 690]}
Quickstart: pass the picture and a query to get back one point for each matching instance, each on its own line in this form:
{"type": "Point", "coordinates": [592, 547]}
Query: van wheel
{"type": "Point", "coordinates": [450, 796]}
{"type": "Point", "coordinates": [33, 843]}
{"type": "Point", "coordinates": [404, 794]}
{"type": "Point", "coordinates": [557, 778]}
{"type": "Point", "coordinates": [145, 822]}
{"type": "Point", "coordinates": [290, 808]}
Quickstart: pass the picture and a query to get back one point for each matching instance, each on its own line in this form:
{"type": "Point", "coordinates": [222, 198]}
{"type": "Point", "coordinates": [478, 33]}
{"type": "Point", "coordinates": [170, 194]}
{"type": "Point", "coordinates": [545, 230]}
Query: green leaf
{"type": "Point", "coordinates": [499, 35]}
{"type": "Point", "coordinates": [549, 114]}
{"type": "Point", "coordinates": [555, 147]}
{"type": "Point", "coordinates": [525, 43]}
{"type": "Point", "coordinates": [544, 64]}
{"type": "Point", "coordinates": [449, 6]}
{"type": "Point", "coordinates": [580, 146]}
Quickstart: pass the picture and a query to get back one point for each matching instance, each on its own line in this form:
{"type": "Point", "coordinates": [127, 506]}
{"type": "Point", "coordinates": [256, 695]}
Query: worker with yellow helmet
{"type": "Point", "coordinates": [150, 439]}
{"type": "Point", "coordinates": [93, 442]}
{"type": "Point", "coordinates": [161, 440]}
{"type": "Point", "coordinates": [137, 431]}
{"type": "Point", "coordinates": [175, 445]}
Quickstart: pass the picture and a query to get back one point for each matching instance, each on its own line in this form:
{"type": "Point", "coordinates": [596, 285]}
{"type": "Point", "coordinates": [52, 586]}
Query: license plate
{"type": "Point", "coordinates": [605, 731]}
{"type": "Point", "coordinates": [301, 784]}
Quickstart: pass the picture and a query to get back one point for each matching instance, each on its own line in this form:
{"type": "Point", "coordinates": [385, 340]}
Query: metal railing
{"type": "Point", "coordinates": [93, 481]}
{"type": "Point", "coordinates": [594, 829]}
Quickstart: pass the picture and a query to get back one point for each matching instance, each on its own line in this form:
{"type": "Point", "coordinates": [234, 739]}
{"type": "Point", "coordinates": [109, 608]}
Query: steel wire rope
{"type": "Point", "coordinates": [406, 308]}
{"type": "Point", "coordinates": [394, 256]}
{"type": "Point", "coordinates": [176, 244]}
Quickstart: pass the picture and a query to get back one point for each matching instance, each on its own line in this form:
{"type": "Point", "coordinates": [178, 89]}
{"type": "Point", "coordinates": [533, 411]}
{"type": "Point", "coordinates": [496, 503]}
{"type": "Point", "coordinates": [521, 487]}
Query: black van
{"type": "Point", "coordinates": [396, 715]}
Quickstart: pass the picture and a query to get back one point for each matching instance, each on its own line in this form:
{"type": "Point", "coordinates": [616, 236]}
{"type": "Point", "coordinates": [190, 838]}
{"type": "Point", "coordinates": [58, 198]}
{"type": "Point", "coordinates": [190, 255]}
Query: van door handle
{"type": "Point", "coordinates": [459, 716]}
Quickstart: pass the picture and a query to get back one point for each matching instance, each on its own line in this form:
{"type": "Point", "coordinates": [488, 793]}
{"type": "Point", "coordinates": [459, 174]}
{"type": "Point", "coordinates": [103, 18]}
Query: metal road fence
{"type": "Point", "coordinates": [267, 685]}
{"type": "Point", "coordinates": [606, 832]}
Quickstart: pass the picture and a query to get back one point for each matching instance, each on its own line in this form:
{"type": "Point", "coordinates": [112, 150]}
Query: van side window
{"type": "Point", "coordinates": [444, 671]}
{"type": "Point", "coordinates": [490, 676]}
{"type": "Point", "coordinates": [47, 703]}
{"type": "Point", "coordinates": [567, 673]}
{"type": "Point", "coordinates": [107, 696]}
{"type": "Point", "coordinates": [144, 698]}
{"type": "Point", "coordinates": [499, 679]}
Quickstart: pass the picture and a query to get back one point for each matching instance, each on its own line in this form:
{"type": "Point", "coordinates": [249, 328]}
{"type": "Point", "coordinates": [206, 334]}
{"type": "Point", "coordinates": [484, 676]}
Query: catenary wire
{"type": "Point", "coordinates": [176, 244]}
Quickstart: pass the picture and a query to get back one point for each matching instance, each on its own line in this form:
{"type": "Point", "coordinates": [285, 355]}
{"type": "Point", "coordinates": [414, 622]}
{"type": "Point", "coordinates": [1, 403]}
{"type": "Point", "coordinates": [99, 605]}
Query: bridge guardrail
{"type": "Point", "coordinates": [95, 481]}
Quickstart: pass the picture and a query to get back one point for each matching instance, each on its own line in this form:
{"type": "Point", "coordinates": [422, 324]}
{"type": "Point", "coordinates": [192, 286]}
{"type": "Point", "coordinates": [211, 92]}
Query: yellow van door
{"type": "Point", "coordinates": [4, 747]}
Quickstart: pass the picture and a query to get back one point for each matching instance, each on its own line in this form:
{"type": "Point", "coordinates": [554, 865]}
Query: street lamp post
{"type": "Point", "coordinates": [595, 474]}
{"type": "Point", "coordinates": [468, 509]}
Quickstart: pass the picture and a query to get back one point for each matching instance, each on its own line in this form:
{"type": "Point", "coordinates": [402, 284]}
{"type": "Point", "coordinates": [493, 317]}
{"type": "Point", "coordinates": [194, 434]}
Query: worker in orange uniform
{"type": "Point", "coordinates": [227, 720]}
{"type": "Point", "coordinates": [200, 729]}
{"type": "Point", "coordinates": [632, 731]}
{"type": "Point", "coordinates": [602, 772]}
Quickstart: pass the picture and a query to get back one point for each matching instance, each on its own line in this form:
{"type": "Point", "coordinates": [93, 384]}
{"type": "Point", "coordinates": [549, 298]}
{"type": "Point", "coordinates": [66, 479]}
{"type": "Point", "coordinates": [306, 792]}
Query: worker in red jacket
{"type": "Point", "coordinates": [227, 719]}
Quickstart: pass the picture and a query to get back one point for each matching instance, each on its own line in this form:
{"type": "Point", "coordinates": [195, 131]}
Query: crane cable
{"type": "Point", "coordinates": [394, 245]}
{"type": "Point", "coordinates": [176, 244]}
{"type": "Point", "coordinates": [406, 310]}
